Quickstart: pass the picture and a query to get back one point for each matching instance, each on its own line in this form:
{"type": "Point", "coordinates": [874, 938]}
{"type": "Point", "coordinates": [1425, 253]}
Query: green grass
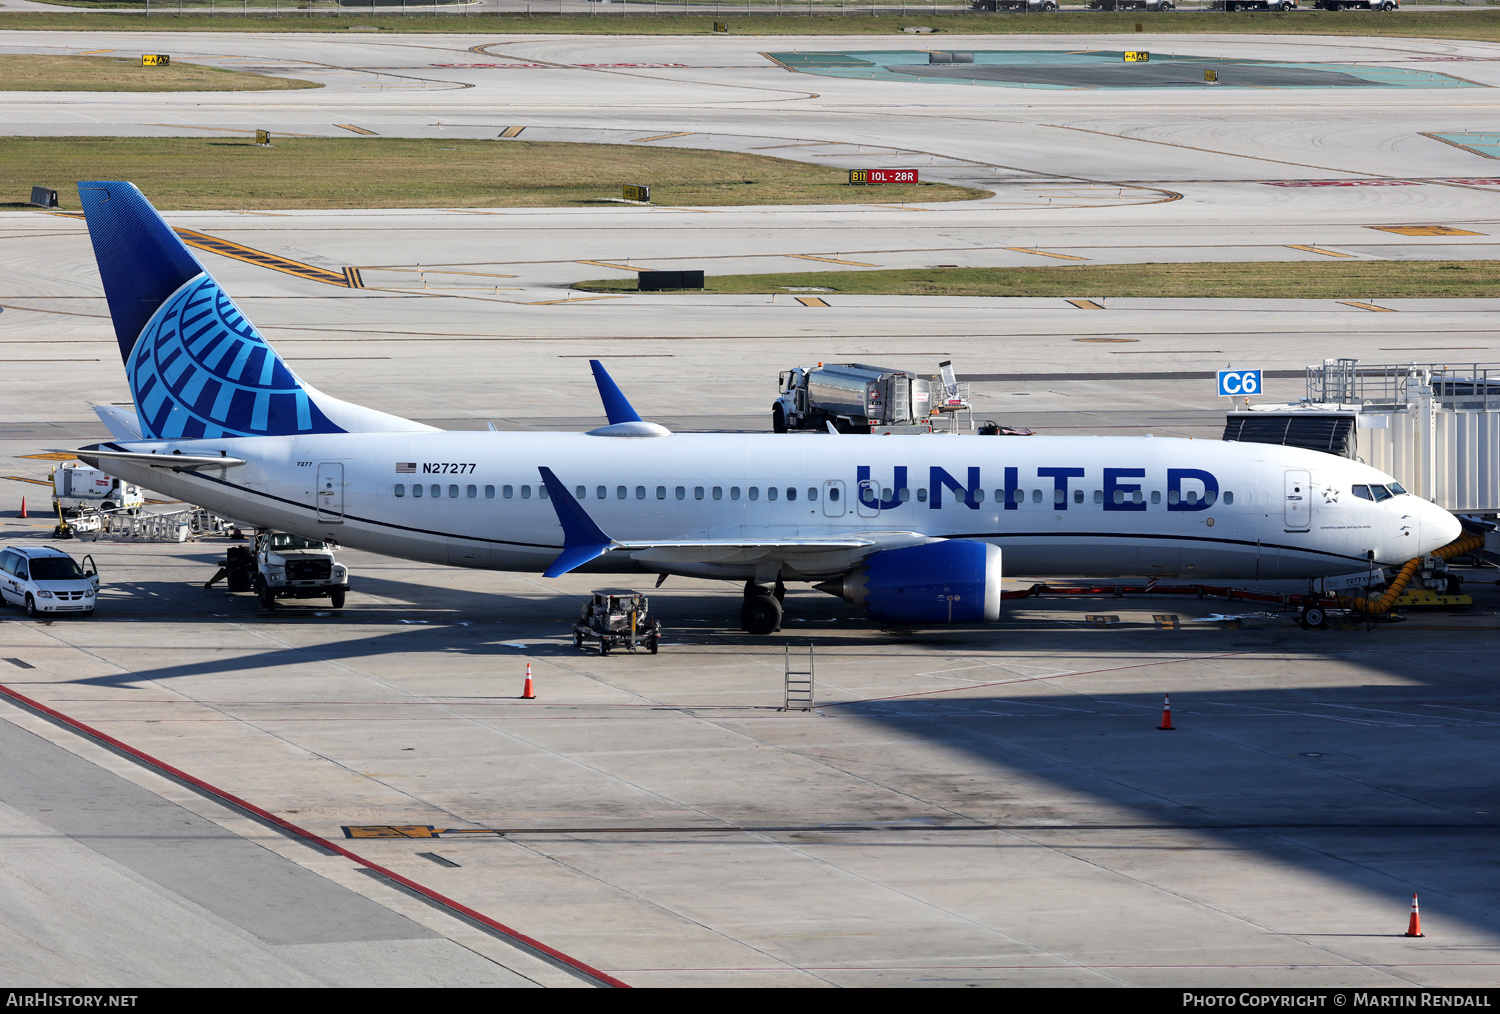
{"type": "Point", "coordinates": [47, 73]}
{"type": "Point", "coordinates": [1477, 25]}
{"type": "Point", "coordinates": [187, 173]}
{"type": "Point", "coordinates": [1258, 279]}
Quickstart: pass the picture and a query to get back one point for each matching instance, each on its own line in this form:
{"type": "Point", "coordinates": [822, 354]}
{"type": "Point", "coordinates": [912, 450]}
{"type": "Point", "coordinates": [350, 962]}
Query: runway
{"type": "Point", "coordinates": [965, 807]}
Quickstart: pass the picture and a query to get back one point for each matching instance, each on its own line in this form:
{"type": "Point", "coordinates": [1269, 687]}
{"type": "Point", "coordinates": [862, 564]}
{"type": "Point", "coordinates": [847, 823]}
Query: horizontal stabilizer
{"type": "Point", "coordinates": [122, 423]}
{"type": "Point", "coordinates": [176, 462]}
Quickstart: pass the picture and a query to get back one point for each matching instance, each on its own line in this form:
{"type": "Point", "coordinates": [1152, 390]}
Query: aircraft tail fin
{"type": "Point", "coordinates": [197, 367]}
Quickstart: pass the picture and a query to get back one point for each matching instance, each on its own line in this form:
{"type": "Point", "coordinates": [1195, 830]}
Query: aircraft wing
{"type": "Point", "coordinates": [583, 541]}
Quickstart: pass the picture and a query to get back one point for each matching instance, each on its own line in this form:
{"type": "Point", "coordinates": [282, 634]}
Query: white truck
{"type": "Point", "coordinates": [77, 488]}
{"type": "Point", "coordinates": [290, 567]}
{"type": "Point", "coordinates": [852, 397]}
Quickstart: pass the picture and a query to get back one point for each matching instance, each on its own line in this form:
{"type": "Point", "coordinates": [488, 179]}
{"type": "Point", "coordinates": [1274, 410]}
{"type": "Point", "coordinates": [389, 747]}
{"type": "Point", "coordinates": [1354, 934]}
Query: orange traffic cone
{"type": "Point", "coordinates": [528, 692]}
{"type": "Point", "coordinates": [1166, 715]}
{"type": "Point", "coordinates": [23, 506]}
{"type": "Point", "coordinates": [1414, 925]}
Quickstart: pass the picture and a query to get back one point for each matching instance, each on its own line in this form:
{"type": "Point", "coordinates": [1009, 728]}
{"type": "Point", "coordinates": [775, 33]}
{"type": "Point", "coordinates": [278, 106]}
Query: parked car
{"type": "Point", "coordinates": [46, 580]}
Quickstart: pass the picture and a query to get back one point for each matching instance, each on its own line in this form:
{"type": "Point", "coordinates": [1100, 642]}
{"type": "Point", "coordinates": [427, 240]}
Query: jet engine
{"type": "Point", "coordinates": [956, 581]}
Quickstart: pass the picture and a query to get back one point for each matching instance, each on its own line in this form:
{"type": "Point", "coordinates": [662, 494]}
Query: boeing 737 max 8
{"type": "Point", "coordinates": [912, 529]}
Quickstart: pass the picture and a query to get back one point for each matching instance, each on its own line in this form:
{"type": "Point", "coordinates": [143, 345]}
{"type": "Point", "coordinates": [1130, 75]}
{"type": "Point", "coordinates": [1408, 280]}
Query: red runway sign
{"type": "Point", "coordinates": [882, 176]}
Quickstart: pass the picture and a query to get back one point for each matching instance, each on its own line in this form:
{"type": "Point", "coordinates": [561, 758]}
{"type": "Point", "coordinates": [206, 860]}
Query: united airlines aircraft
{"type": "Point", "coordinates": [912, 529]}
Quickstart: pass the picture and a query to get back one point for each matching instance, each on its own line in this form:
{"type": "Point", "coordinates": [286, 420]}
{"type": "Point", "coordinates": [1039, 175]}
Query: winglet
{"type": "Point", "coordinates": [615, 404]}
{"type": "Point", "coordinates": [582, 539]}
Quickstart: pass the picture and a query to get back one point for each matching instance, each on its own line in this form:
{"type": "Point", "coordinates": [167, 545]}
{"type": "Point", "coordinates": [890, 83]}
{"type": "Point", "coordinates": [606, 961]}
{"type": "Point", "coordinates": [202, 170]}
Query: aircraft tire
{"type": "Point", "coordinates": [760, 615]}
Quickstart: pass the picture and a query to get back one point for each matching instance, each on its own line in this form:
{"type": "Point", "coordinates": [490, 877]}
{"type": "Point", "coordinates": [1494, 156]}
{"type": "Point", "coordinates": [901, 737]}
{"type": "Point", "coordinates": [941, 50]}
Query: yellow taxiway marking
{"type": "Point", "coordinates": [1424, 230]}
{"type": "Point", "coordinates": [1366, 306]}
{"type": "Point", "coordinates": [52, 456]}
{"type": "Point", "coordinates": [1086, 304]}
{"type": "Point", "coordinates": [811, 301]}
{"type": "Point", "coordinates": [663, 137]}
{"type": "Point", "coordinates": [512, 131]}
{"type": "Point", "coordinates": [833, 260]}
{"type": "Point", "coordinates": [607, 264]}
{"type": "Point", "coordinates": [348, 278]}
{"type": "Point", "coordinates": [22, 478]}
{"type": "Point", "coordinates": [91, 52]}
{"type": "Point", "coordinates": [229, 130]}
{"type": "Point", "coordinates": [576, 299]}
{"type": "Point", "coordinates": [1316, 250]}
{"type": "Point", "coordinates": [1044, 253]}
{"type": "Point", "coordinates": [357, 130]}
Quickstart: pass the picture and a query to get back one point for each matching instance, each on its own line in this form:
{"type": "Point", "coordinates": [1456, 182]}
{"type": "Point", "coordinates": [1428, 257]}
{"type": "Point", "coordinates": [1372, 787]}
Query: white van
{"type": "Point", "coordinates": [46, 580]}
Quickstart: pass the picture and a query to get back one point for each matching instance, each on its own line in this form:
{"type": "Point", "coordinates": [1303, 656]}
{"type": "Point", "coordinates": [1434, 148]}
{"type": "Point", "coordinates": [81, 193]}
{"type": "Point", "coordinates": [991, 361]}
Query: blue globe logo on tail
{"type": "Point", "coordinates": [199, 368]}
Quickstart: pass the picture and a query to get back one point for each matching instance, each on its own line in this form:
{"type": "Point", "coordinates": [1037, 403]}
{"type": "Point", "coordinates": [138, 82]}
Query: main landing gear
{"type": "Point", "coordinates": [761, 611]}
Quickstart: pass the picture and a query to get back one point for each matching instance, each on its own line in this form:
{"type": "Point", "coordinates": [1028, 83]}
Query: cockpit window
{"type": "Point", "coordinates": [1397, 488]}
{"type": "Point", "coordinates": [1363, 492]}
{"type": "Point", "coordinates": [1381, 493]}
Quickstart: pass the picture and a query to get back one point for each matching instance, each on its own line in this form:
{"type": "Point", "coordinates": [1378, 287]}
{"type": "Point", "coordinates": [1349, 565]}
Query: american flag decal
{"type": "Point", "coordinates": [406, 466]}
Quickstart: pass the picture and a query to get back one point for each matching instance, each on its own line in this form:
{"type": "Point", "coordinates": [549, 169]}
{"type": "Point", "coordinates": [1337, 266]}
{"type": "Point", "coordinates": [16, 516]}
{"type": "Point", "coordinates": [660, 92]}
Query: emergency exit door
{"type": "Point", "coordinates": [1298, 511]}
{"type": "Point", "coordinates": [329, 494]}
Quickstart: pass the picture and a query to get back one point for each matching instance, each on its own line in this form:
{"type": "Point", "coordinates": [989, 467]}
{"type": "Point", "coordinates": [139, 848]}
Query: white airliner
{"type": "Point", "coordinates": [913, 529]}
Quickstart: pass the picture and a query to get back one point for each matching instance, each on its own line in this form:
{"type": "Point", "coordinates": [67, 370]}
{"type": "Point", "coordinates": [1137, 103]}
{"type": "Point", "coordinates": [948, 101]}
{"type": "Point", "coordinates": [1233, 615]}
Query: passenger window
{"type": "Point", "coordinates": [582, 492]}
{"type": "Point", "coordinates": [833, 493]}
{"type": "Point", "coordinates": [400, 489]}
{"type": "Point", "coordinates": [734, 492]}
{"type": "Point", "coordinates": [1098, 496]}
{"type": "Point", "coordinates": [640, 492]}
{"type": "Point", "coordinates": [1173, 496]}
{"type": "Point", "coordinates": [812, 493]}
{"type": "Point", "coordinates": [473, 492]}
{"type": "Point", "coordinates": [1078, 496]}
{"type": "Point", "coordinates": [1228, 497]}
{"type": "Point", "coordinates": [921, 496]}
{"type": "Point", "coordinates": [791, 492]}
{"type": "Point", "coordinates": [697, 492]}
{"type": "Point", "coordinates": [1059, 496]}
{"type": "Point", "coordinates": [453, 491]}
{"type": "Point", "coordinates": [541, 491]}
{"type": "Point", "coordinates": [619, 492]}
{"type": "Point", "coordinates": [508, 491]}
{"type": "Point", "coordinates": [416, 489]}
{"type": "Point", "coordinates": [885, 495]}
{"type": "Point", "coordinates": [979, 496]}
{"type": "Point", "coordinates": [661, 492]}
{"type": "Point", "coordinates": [1155, 496]}
{"type": "Point", "coordinates": [489, 492]}
{"type": "Point", "coordinates": [1119, 496]}
{"type": "Point", "coordinates": [435, 489]}
{"type": "Point", "coordinates": [754, 493]}
{"type": "Point", "coordinates": [1192, 496]}
{"type": "Point", "coordinates": [1036, 496]}
{"type": "Point", "coordinates": [771, 492]}
{"type": "Point", "coordinates": [718, 492]}
{"type": "Point", "coordinates": [602, 492]}
{"type": "Point", "coordinates": [903, 494]}
{"type": "Point", "coordinates": [1137, 497]}
{"type": "Point", "coordinates": [681, 492]}
{"type": "Point", "coordinates": [525, 492]}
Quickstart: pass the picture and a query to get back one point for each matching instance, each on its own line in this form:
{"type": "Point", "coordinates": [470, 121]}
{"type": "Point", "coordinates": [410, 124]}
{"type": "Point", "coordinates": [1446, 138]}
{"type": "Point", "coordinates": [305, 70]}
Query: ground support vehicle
{"type": "Point", "coordinates": [850, 397]}
{"type": "Point", "coordinates": [44, 580]}
{"type": "Point", "coordinates": [1279, 6]}
{"type": "Point", "coordinates": [77, 488]}
{"type": "Point", "coordinates": [1132, 5]}
{"type": "Point", "coordinates": [289, 567]}
{"type": "Point", "coordinates": [1357, 5]}
{"type": "Point", "coordinates": [618, 619]}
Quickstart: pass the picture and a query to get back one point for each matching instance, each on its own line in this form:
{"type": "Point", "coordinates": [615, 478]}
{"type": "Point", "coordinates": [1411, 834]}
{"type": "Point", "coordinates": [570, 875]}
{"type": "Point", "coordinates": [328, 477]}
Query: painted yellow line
{"type": "Point", "coordinates": [811, 301]}
{"type": "Point", "coordinates": [607, 264]}
{"type": "Point", "coordinates": [1424, 230]}
{"type": "Point", "coordinates": [832, 260]}
{"type": "Point", "coordinates": [1085, 304]}
{"type": "Point", "coordinates": [22, 478]}
{"type": "Point", "coordinates": [1317, 250]}
{"type": "Point", "coordinates": [663, 137]}
{"type": "Point", "coordinates": [357, 130]}
{"type": "Point", "coordinates": [578, 299]}
{"type": "Point", "coordinates": [91, 52]}
{"type": "Point", "coordinates": [52, 456]}
{"type": "Point", "coordinates": [228, 130]}
{"type": "Point", "coordinates": [512, 131]}
{"type": "Point", "coordinates": [1044, 253]}
{"type": "Point", "coordinates": [1366, 306]}
{"type": "Point", "coordinates": [346, 279]}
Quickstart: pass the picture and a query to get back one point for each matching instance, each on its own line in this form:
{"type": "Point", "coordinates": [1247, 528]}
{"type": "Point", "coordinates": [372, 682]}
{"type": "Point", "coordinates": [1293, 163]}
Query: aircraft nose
{"type": "Point", "coordinates": [1438, 528]}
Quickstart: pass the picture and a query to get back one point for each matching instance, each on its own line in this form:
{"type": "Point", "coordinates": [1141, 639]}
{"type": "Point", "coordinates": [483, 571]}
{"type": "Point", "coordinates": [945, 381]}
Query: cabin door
{"type": "Point", "coordinates": [1298, 499]}
{"type": "Point", "coordinates": [329, 495]}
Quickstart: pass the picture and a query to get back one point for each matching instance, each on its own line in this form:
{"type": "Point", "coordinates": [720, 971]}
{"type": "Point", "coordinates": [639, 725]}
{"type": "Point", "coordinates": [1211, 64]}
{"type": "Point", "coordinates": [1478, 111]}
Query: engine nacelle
{"type": "Point", "coordinates": [957, 581]}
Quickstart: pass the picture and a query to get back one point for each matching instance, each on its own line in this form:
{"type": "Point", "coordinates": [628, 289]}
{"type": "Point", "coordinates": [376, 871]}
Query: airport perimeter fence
{"type": "Point", "coordinates": [717, 9]}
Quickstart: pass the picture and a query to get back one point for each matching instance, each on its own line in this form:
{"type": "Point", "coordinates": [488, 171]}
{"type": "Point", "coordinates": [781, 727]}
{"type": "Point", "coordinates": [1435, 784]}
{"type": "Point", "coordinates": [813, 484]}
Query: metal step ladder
{"type": "Point", "coordinates": [799, 685]}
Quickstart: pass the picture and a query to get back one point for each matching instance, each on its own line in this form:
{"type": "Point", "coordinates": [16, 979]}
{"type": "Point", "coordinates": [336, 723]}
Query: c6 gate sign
{"type": "Point", "coordinates": [882, 176]}
{"type": "Point", "coordinates": [1233, 383]}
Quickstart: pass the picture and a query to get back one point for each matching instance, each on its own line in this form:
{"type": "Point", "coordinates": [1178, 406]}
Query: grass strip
{"type": "Point", "coordinates": [1475, 25]}
{"type": "Point", "coordinates": [191, 173]}
{"type": "Point", "coordinates": [49, 73]}
{"type": "Point", "coordinates": [1356, 280]}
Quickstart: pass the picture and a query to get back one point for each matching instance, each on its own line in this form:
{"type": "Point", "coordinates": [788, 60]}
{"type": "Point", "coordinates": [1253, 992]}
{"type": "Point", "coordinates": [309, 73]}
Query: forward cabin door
{"type": "Point", "coordinates": [1298, 500]}
{"type": "Point", "coordinates": [833, 498]}
{"type": "Point", "coordinates": [329, 495]}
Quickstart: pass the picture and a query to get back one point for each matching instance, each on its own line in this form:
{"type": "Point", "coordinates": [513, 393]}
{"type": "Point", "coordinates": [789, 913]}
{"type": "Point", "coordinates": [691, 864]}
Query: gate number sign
{"type": "Point", "coordinates": [1233, 383]}
{"type": "Point", "coordinates": [882, 176]}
